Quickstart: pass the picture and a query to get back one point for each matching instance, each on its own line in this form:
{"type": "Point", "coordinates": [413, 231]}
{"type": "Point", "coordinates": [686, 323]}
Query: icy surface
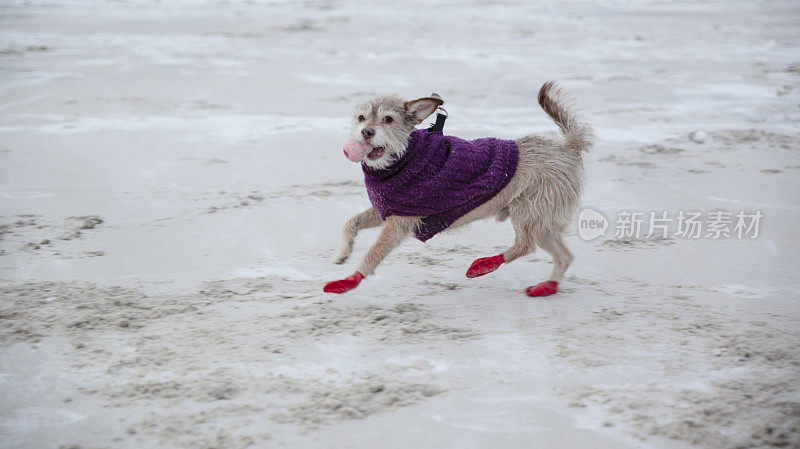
{"type": "Point", "coordinates": [172, 188]}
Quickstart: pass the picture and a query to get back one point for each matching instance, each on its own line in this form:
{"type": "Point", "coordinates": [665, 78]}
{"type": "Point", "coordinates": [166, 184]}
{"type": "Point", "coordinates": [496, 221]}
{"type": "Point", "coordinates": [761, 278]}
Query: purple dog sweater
{"type": "Point", "coordinates": [441, 178]}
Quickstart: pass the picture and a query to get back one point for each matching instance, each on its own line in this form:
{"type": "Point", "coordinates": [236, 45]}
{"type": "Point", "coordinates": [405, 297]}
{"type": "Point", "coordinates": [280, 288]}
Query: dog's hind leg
{"type": "Point", "coordinates": [367, 219]}
{"type": "Point", "coordinates": [553, 243]}
{"type": "Point", "coordinates": [523, 244]}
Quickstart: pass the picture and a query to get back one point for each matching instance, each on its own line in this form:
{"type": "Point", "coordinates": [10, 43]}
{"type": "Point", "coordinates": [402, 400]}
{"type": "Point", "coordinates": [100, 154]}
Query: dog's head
{"type": "Point", "coordinates": [381, 126]}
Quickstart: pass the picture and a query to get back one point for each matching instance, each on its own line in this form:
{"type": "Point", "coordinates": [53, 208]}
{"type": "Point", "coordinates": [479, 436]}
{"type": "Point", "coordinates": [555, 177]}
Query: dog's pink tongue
{"type": "Point", "coordinates": [355, 150]}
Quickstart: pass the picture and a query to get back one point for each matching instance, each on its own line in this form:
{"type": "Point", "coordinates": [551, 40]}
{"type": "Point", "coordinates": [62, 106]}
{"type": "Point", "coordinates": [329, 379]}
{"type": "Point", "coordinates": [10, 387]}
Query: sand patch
{"type": "Point", "coordinates": [399, 323]}
{"type": "Point", "coordinates": [628, 244]}
{"type": "Point", "coordinates": [33, 234]}
{"type": "Point", "coordinates": [239, 200]}
{"type": "Point", "coordinates": [197, 352]}
{"type": "Point", "coordinates": [33, 310]}
{"type": "Point", "coordinates": [719, 366]}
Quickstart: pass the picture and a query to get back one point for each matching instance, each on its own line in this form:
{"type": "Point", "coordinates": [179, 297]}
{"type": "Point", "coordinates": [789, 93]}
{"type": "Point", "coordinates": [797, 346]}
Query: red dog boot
{"type": "Point", "coordinates": [485, 265]}
{"type": "Point", "coordinates": [545, 288]}
{"type": "Point", "coordinates": [345, 284]}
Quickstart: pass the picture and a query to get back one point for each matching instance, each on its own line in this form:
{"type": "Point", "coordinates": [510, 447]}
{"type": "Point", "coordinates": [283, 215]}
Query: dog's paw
{"type": "Point", "coordinates": [545, 288]}
{"type": "Point", "coordinates": [345, 284]}
{"type": "Point", "coordinates": [343, 252]}
{"type": "Point", "coordinates": [485, 265]}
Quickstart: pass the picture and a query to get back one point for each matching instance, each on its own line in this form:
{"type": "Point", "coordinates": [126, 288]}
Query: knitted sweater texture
{"type": "Point", "coordinates": [441, 178]}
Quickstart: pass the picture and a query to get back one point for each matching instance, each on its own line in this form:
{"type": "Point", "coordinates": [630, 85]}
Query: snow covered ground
{"type": "Point", "coordinates": [172, 189]}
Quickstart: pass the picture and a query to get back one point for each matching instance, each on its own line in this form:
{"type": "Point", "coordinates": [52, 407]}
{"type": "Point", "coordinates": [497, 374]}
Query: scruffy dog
{"type": "Point", "coordinates": [421, 182]}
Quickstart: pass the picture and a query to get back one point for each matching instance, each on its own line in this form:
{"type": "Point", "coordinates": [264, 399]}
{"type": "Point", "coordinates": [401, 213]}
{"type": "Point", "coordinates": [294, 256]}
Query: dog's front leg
{"type": "Point", "coordinates": [393, 233]}
{"type": "Point", "coordinates": [367, 219]}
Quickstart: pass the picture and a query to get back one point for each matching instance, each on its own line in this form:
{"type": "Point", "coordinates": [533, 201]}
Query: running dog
{"type": "Point", "coordinates": [421, 182]}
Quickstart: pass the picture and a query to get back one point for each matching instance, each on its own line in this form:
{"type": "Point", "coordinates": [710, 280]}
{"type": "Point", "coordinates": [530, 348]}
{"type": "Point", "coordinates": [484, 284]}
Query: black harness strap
{"type": "Point", "coordinates": [438, 127]}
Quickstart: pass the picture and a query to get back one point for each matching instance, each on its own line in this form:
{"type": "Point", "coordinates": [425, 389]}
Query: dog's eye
{"type": "Point", "coordinates": [388, 119]}
{"type": "Point", "coordinates": [360, 118]}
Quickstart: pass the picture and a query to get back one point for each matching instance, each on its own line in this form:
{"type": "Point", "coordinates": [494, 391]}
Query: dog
{"type": "Point", "coordinates": [540, 198]}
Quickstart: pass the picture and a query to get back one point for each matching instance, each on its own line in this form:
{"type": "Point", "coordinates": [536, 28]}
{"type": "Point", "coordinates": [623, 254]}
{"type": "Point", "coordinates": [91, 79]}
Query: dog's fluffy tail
{"type": "Point", "coordinates": [556, 103]}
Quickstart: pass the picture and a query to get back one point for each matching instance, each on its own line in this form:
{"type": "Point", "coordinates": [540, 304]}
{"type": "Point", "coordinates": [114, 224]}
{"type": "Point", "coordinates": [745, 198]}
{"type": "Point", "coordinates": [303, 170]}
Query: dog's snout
{"type": "Point", "coordinates": [368, 132]}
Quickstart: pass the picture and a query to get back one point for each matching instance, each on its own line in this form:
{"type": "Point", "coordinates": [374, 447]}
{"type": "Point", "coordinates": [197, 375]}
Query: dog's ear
{"type": "Point", "coordinates": [421, 108]}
